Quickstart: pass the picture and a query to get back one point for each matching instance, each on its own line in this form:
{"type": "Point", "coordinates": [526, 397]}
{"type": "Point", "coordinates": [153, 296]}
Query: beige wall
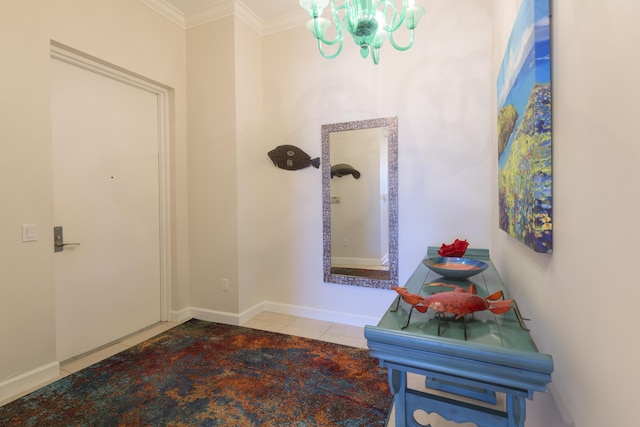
{"type": "Point", "coordinates": [249, 128]}
{"type": "Point", "coordinates": [583, 298]}
{"type": "Point", "coordinates": [441, 92]}
{"type": "Point", "coordinates": [213, 169]}
{"type": "Point", "coordinates": [125, 33]}
{"type": "Point", "coordinates": [225, 134]}
{"type": "Point", "coordinates": [261, 227]}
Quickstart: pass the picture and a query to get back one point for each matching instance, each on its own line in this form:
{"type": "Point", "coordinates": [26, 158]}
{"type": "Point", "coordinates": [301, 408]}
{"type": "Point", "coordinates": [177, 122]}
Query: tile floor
{"type": "Point", "coordinates": [274, 322]}
{"type": "Point", "coordinates": [309, 328]}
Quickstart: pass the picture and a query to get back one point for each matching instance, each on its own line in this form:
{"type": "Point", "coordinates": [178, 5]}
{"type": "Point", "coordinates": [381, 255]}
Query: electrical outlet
{"type": "Point", "coordinates": [225, 285]}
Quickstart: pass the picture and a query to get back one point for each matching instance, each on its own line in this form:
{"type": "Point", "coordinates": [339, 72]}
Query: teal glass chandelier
{"type": "Point", "coordinates": [370, 23]}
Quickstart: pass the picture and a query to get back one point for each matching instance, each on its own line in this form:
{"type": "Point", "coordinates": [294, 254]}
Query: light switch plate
{"type": "Point", "coordinates": [29, 233]}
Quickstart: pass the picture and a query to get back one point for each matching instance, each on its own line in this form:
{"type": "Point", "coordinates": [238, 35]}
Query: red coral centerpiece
{"type": "Point", "coordinates": [455, 249]}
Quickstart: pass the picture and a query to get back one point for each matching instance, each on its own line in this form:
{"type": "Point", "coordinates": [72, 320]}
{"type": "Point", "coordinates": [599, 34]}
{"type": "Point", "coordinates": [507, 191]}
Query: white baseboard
{"type": "Point", "coordinates": [227, 318]}
{"type": "Point", "coordinates": [251, 313]}
{"type": "Point", "coordinates": [21, 383]}
{"type": "Point", "coordinates": [318, 314]}
{"type": "Point", "coordinates": [292, 310]}
{"type": "Point", "coordinates": [180, 315]}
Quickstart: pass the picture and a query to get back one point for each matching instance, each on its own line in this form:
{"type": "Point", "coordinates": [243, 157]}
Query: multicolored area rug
{"type": "Point", "coordinates": [208, 374]}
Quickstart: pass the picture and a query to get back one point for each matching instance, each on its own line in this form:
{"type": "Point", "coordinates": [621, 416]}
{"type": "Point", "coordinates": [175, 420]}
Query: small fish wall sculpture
{"type": "Point", "coordinates": [292, 158]}
{"type": "Point", "coordinates": [344, 169]}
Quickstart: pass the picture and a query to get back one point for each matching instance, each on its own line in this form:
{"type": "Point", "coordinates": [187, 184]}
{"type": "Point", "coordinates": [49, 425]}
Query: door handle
{"type": "Point", "coordinates": [58, 240]}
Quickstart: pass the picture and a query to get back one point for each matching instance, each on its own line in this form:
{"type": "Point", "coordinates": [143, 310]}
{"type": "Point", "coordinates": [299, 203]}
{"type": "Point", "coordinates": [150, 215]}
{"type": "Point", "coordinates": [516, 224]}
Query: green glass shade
{"type": "Point", "coordinates": [314, 7]}
{"type": "Point", "coordinates": [379, 39]}
{"type": "Point", "coordinates": [370, 23]}
{"type": "Point", "coordinates": [413, 16]}
{"type": "Point", "coordinates": [318, 27]}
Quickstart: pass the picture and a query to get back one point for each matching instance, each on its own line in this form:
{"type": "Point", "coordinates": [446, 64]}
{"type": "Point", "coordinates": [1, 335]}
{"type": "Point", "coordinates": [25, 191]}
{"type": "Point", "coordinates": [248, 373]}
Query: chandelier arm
{"type": "Point", "coordinates": [322, 39]}
{"type": "Point", "coordinates": [396, 18]}
{"type": "Point", "coordinates": [336, 23]}
{"type": "Point", "coordinates": [336, 53]}
{"type": "Point", "coordinates": [402, 48]}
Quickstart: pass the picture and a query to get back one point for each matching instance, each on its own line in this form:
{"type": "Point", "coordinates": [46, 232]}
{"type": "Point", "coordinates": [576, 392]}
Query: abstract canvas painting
{"type": "Point", "coordinates": [524, 130]}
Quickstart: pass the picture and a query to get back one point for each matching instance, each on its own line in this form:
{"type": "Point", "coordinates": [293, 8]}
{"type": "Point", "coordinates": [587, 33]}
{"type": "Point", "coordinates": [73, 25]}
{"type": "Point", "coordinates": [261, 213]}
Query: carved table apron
{"type": "Point", "coordinates": [497, 357]}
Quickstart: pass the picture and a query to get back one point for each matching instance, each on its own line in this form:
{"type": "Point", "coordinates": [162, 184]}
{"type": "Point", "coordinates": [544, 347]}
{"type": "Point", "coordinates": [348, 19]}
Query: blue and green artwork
{"type": "Point", "coordinates": [524, 130]}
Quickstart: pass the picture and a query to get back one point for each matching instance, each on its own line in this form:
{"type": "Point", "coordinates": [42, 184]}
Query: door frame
{"type": "Point", "coordinates": [92, 64]}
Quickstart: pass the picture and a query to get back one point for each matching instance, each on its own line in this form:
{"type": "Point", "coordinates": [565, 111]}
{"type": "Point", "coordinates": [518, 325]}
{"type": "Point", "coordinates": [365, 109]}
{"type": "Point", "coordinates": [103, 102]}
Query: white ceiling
{"type": "Point", "coordinates": [265, 10]}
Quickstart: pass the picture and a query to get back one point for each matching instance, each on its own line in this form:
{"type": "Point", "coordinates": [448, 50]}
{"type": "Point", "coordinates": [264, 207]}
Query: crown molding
{"type": "Point", "coordinates": [213, 13]}
{"type": "Point", "coordinates": [248, 17]}
{"type": "Point", "coordinates": [166, 10]}
{"type": "Point", "coordinates": [287, 22]}
{"type": "Point", "coordinates": [226, 9]}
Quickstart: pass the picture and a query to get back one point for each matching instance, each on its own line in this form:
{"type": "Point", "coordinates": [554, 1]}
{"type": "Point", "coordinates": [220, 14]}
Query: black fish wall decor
{"type": "Point", "coordinates": [344, 169]}
{"type": "Point", "coordinates": [292, 158]}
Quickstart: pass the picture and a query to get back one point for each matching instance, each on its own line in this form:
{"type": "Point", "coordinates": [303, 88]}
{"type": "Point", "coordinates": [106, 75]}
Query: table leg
{"type": "Point", "coordinates": [516, 410]}
{"type": "Point", "coordinates": [398, 386]}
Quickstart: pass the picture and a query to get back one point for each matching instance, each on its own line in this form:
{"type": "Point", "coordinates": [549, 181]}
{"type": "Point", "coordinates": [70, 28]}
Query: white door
{"type": "Point", "coordinates": [106, 198]}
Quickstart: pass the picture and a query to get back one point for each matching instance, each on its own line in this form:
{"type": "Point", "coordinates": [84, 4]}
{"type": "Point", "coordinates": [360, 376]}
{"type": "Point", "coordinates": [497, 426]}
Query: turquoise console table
{"type": "Point", "coordinates": [498, 357]}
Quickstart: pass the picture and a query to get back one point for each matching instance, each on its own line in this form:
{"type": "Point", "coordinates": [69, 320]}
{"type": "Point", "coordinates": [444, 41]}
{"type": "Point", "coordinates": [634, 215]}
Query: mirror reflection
{"type": "Point", "coordinates": [359, 173]}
